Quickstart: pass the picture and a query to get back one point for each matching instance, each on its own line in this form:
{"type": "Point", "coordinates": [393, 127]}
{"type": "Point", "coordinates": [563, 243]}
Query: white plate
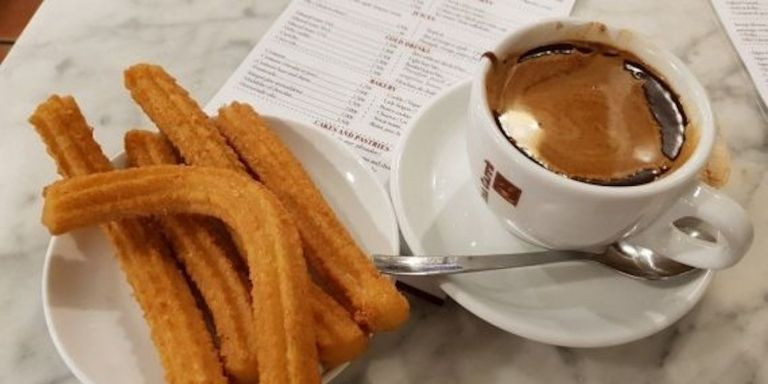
{"type": "Point", "coordinates": [571, 304]}
{"type": "Point", "coordinates": [92, 317]}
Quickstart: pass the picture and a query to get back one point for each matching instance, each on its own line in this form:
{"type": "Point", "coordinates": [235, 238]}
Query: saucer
{"type": "Point", "coordinates": [97, 326]}
{"type": "Point", "coordinates": [575, 304]}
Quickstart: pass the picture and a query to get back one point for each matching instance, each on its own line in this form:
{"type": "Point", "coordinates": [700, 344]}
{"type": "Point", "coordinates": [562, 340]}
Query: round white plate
{"type": "Point", "coordinates": [570, 304]}
{"type": "Point", "coordinates": [92, 317]}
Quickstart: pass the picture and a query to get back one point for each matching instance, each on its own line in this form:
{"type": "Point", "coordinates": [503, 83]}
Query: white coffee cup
{"type": "Point", "coordinates": [556, 212]}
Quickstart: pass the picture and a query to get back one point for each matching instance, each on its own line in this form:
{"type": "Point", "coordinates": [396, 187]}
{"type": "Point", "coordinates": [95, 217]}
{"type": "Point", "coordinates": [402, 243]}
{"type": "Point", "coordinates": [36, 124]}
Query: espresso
{"type": "Point", "coordinates": [590, 112]}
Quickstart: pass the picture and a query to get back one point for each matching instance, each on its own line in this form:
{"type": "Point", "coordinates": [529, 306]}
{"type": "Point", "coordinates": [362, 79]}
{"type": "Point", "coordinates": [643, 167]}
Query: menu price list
{"type": "Point", "coordinates": [746, 22]}
{"type": "Point", "coordinates": [362, 69]}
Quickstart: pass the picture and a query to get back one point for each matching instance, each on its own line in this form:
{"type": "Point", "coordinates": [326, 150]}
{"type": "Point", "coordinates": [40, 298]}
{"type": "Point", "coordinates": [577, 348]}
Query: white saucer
{"type": "Point", "coordinates": [92, 317]}
{"type": "Point", "coordinates": [573, 304]}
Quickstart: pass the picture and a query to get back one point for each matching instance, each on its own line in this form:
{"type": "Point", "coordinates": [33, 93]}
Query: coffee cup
{"type": "Point", "coordinates": [556, 210]}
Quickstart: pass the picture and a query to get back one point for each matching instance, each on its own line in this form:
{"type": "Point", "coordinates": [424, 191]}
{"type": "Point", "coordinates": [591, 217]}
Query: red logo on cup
{"type": "Point", "coordinates": [506, 189]}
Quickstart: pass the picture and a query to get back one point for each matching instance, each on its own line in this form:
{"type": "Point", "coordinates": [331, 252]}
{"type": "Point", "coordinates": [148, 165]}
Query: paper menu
{"type": "Point", "coordinates": [746, 22]}
{"type": "Point", "coordinates": [361, 69]}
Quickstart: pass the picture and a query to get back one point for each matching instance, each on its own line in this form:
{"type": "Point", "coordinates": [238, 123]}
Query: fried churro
{"type": "Point", "coordinates": [331, 251]}
{"type": "Point", "coordinates": [286, 341]}
{"type": "Point", "coordinates": [373, 300]}
{"type": "Point", "coordinates": [177, 327]}
{"type": "Point", "coordinates": [339, 339]}
{"type": "Point", "coordinates": [179, 117]}
{"type": "Point", "coordinates": [197, 245]}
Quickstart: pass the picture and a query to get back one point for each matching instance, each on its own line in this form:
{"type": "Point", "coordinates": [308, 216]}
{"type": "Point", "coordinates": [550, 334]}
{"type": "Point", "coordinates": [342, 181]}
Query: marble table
{"type": "Point", "coordinates": [81, 46]}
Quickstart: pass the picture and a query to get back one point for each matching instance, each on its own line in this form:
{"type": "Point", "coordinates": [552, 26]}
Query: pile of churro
{"type": "Point", "coordinates": [220, 207]}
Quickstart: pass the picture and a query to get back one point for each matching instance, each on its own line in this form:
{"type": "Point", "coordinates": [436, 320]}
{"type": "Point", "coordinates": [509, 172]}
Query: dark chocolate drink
{"type": "Point", "coordinates": [590, 112]}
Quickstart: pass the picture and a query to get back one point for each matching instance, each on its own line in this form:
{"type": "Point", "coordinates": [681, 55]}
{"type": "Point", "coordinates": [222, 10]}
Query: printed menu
{"type": "Point", "coordinates": [361, 69]}
{"type": "Point", "coordinates": [746, 22]}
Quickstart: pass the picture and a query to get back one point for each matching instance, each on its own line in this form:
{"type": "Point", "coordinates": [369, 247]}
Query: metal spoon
{"type": "Point", "coordinates": [623, 257]}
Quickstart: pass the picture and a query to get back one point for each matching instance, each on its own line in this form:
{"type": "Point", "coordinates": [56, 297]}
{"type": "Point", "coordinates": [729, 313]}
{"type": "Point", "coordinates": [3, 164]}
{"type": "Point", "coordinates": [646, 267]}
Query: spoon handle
{"type": "Point", "coordinates": [444, 265]}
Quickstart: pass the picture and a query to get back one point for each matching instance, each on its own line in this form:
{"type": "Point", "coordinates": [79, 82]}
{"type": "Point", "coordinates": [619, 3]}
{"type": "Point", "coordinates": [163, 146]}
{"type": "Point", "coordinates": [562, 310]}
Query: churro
{"type": "Point", "coordinates": [372, 299]}
{"type": "Point", "coordinates": [179, 117]}
{"type": "Point", "coordinates": [345, 270]}
{"type": "Point", "coordinates": [198, 247]}
{"type": "Point", "coordinates": [176, 324]}
{"type": "Point", "coordinates": [286, 341]}
{"type": "Point", "coordinates": [330, 250]}
{"type": "Point", "coordinates": [339, 339]}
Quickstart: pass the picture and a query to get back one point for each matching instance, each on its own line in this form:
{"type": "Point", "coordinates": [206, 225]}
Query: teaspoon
{"type": "Point", "coordinates": [628, 259]}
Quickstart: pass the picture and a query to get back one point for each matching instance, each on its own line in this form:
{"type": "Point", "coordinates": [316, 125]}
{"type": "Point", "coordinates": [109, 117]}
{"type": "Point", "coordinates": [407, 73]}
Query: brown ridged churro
{"type": "Point", "coordinates": [372, 298]}
{"type": "Point", "coordinates": [179, 117]}
{"type": "Point", "coordinates": [378, 305]}
{"type": "Point", "coordinates": [145, 149]}
{"type": "Point", "coordinates": [339, 339]}
{"type": "Point", "coordinates": [176, 324]}
{"type": "Point", "coordinates": [286, 341]}
{"type": "Point", "coordinates": [198, 247]}
{"type": "Point", "coordinates": [329, 248]}
{"type": "Point", "coordinates": [292, 320]}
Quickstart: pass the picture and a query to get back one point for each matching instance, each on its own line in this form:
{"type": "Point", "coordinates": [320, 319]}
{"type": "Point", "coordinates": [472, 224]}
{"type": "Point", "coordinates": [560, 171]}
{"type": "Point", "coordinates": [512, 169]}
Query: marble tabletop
{"type": "Point", "coordinates": [81, 46]}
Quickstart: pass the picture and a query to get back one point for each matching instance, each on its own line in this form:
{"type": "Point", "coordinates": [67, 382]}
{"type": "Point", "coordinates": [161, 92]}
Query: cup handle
{"type": "Point", "coordinates": [725, 219]}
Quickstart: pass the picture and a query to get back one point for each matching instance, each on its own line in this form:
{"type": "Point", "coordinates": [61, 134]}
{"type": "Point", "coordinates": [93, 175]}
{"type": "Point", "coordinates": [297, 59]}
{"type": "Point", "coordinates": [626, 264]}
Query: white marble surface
{"type": "Point", "coordinates": [81, 46]}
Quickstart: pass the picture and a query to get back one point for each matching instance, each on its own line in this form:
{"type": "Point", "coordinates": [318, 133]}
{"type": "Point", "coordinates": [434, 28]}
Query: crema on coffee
{"type": "Point", "coordinates": [590, 112]}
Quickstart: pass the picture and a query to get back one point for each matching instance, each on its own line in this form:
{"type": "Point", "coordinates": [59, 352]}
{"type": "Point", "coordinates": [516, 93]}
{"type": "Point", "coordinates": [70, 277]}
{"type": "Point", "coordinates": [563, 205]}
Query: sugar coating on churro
{"type": "Point", "coordinates": [373, 300]}
{"type": "Point", "coordinates": [68, 138]}
{"type": "Point", "coordinates": [198, 247]}
{"type": "Point", "coordinates": [144, 149]}
{"type": "Point", "coordinates": [176, 324]}
{"type": "Point", "coordinates": [339, 339]}
{"type": "Point", "coordinates": [286, 334]}
{"type": "Point", "coordinates": [286, 342]}
{"type": "Point", "coordinates": [178, 116]}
